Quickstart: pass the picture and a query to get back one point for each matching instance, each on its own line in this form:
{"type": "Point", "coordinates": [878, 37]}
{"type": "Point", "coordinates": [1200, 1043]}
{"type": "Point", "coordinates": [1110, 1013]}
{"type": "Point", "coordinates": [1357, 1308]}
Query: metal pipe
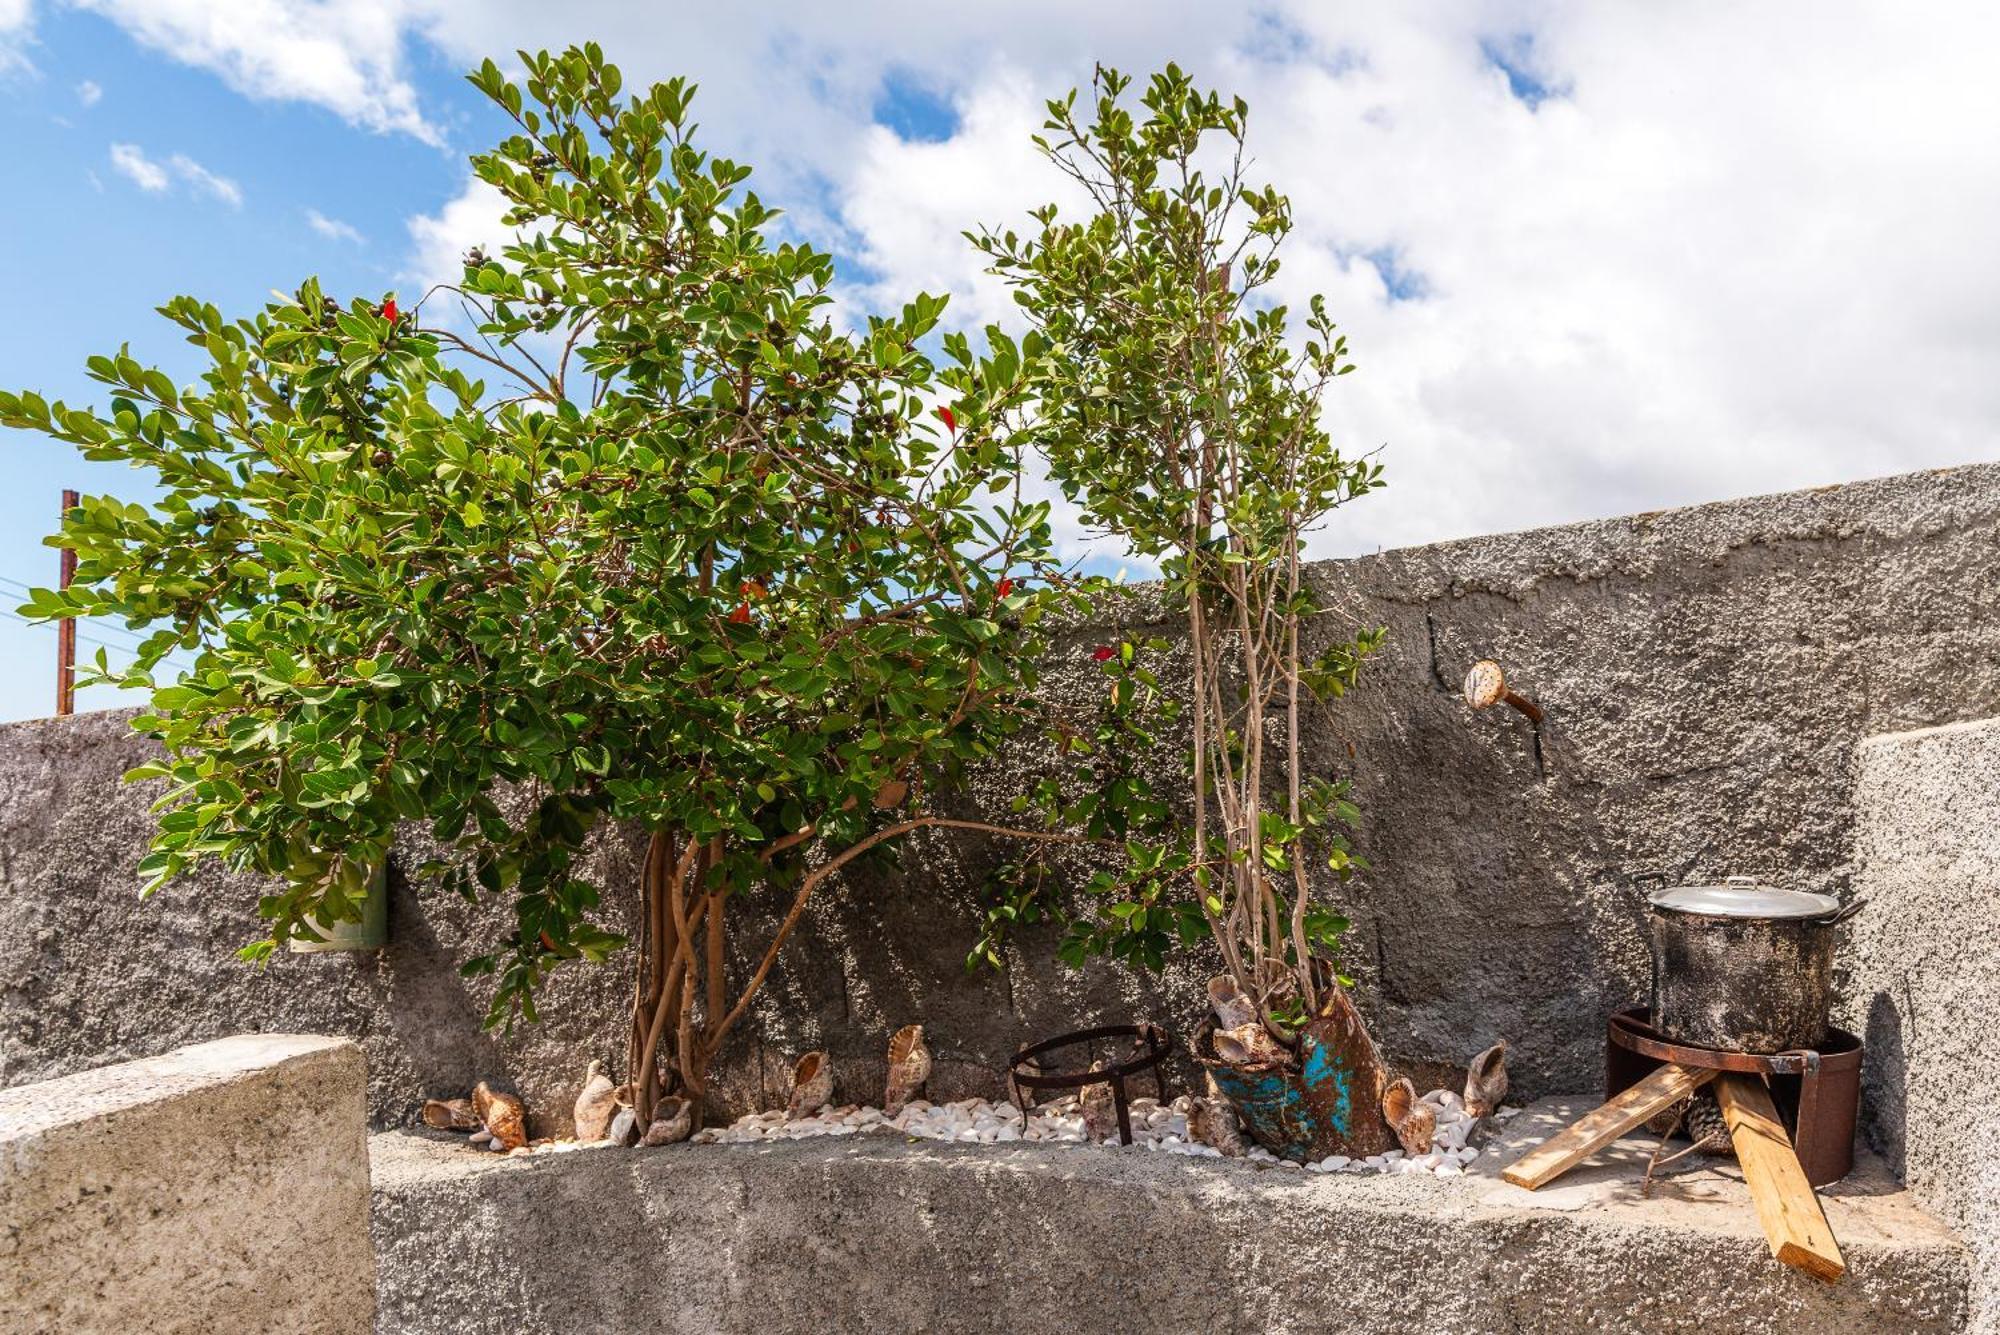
{"type": "Point", "coordinates": [1486, 684]}
{"type": "Point", "coordinates": [66, 628]}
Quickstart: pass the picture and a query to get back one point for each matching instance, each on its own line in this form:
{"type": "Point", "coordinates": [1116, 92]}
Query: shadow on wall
{"type": "Point", "coordinates": [1884, 1082]}
{"type": "Point", "coordinates": [427, 1005]}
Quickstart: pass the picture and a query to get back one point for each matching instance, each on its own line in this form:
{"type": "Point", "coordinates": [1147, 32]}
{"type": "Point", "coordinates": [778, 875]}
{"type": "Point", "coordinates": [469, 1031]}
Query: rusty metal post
{"type": "Point", "coordinates": [66, 628]}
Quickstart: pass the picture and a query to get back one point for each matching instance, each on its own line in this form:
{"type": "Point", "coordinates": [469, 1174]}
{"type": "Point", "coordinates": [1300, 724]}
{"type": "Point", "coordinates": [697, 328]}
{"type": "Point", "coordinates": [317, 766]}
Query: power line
{"type": "Point", "coordinates": [168, 658]}
{"type": "Point", "coordinates": [96, 627]}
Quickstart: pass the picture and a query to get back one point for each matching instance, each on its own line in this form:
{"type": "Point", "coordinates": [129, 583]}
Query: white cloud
{"type": "Point", "coordinates": [440, 241]}
{"type": "Point", "coordinates": [132, 163]}
{"type": "Point", "coordinates": [333, 229]}
{"type": "Point", "coordinates": [1702, 271]}
{"type": "Point", "coordinates": [344, 55]}
{"type": "Point", "coordinates": [1733, 249]}
{"type": "Point", "coordinates": [206, 181]}
{"type": "Point", "coordinates": [89, 92]}
{"type": "Point", "coordinates": [154, 177]}
{"type": "Point", "coordinates": [17, 33]}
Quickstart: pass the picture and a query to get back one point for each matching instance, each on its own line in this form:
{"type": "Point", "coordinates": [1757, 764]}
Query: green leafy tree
{"type": "Point", "coordinates": [1178, 409]}
{"type": "Point", "coordinates": [620, 527]}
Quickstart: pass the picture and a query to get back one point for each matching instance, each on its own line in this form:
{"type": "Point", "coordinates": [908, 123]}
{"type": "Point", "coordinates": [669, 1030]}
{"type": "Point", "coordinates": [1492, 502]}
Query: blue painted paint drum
{"type": "Point", "coordinates": [1331, 1105]}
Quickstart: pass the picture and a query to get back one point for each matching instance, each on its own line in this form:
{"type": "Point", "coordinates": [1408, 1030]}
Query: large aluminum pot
{"type": "Point", "coordinates": [1743, 966]}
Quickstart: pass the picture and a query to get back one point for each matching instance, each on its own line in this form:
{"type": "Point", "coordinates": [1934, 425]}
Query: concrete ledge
{"type": "Point", "coordinates": [219, 1187]}
{"type": "Point", "coordinates": [868, 1234]}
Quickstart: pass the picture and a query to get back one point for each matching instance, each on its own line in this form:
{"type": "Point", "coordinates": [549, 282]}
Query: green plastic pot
{"type": "Point", "coordinates": [371, 933]}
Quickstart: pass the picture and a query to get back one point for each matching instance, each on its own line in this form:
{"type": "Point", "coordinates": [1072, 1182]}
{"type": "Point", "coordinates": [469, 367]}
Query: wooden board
{"type": "Point", "coordinates": [1581, 1139]}
{"type": "Point", "coordinates": [1793, 1221]}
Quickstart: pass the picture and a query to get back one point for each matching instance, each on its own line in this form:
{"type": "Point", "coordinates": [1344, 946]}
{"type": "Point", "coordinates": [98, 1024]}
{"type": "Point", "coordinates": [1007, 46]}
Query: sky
{"type": "Point", "coordinates": [1592, 259]}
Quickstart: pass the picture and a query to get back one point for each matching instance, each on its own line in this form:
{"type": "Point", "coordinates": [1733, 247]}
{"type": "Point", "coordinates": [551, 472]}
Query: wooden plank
{"type": "Point", "coordinates": [1586, 1136]}
{"type": "Point", "coordinates": [1793, 1221]}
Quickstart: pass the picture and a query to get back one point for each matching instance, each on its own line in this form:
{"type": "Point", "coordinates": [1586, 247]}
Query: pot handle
{"type": "Point", "coordinates": [1846, 911]}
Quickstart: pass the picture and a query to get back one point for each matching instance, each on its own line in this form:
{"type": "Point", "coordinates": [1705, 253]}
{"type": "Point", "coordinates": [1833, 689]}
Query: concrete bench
{"type": "Point", "coordinates": [877, 1234]}
{"type": "Point", "coordinates": [222, 1186]}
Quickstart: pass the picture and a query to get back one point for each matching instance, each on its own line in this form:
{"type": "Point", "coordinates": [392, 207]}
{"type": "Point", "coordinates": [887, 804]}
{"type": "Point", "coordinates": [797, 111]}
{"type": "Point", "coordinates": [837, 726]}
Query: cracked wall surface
{"type": "Point", "coordinates": [1707, 673]}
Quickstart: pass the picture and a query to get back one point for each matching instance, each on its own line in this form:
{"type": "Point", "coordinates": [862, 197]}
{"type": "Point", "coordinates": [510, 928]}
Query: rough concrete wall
{"type": "Point", "coordinates": [1924, 965]}
{"type": "Point", "coordinates": [220, 1187]}
{"type": "Point", "coordinates": [866, 1235]}
{"type": "Point", "coordinates": [1707, 675]}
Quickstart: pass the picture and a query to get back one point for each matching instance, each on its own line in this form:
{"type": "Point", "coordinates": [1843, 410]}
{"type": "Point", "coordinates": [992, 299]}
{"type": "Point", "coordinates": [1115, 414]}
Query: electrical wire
{"type": "Point", "coordinates": [83, 638]}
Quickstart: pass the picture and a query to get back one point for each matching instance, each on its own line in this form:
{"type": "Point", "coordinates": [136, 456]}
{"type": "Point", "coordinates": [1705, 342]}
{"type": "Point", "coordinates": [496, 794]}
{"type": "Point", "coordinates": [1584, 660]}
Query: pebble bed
{"type": "Point", "coordinates": [1155, 1126]}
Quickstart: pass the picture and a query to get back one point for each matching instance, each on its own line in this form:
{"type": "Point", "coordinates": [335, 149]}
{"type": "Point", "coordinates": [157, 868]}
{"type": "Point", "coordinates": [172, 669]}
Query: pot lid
{"type": "Point", "coordinates": [1744, 897]}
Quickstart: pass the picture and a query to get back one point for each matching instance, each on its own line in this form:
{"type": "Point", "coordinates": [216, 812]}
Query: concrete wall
{"type": "Point", "coordinates": [220, 1187]}
{"type": "Point", "coordinates": [1708, 674]}
{"type": "Point", "coordinates": [874, 1235]}
{"type": "Point", "coordinates": [1924, 965]}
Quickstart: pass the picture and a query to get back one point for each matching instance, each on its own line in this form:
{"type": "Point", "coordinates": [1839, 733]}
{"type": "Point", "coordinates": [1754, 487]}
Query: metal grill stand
{"type": "Point", "coordinates": [1816, 1090]}
{"type": "Point", "coordinates": [1158, 1043]}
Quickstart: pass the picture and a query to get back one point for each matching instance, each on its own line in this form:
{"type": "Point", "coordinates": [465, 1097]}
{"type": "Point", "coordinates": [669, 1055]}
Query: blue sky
{"type": "Point", "coordinates": [1591, 259]}
{"type": "Point", "coordinates": [86, 254]}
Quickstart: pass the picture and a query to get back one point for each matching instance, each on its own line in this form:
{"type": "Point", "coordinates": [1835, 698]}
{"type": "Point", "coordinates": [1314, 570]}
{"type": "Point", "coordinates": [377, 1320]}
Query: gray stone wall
{"type": "Point", "coordinates": [1707, 673]}
{"type": "Point", "coordinates": [219, 1187]}
{"type": "Point", "coordinates": [1923, 960]}
{"type": "Point", "coordinates": [872, 1234]}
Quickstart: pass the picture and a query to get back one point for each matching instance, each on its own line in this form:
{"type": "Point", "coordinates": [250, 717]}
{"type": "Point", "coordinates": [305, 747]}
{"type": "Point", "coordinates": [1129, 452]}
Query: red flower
{"type": "Point", "coordinates": [741, 616]}
{"type": "Point", "coordinates": [950, 419]}
{"type": "Point", "coordinates": [1103, 653]}
{"type": "Point", "coordinates": [389, 310]}
{"type": "Point", "coordinates": [1003, 588]}
{"type": "Point", "coordinates": [752, 589]}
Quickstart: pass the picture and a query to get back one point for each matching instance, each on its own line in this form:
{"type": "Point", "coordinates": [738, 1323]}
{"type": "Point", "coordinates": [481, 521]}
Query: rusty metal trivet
{"type": "Point", "coordinates": [1816, 1091]}
{"type": "Point", "coordinates": [1158, 1044]}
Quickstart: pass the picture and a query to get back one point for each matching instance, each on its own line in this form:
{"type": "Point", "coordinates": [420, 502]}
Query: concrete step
{"type": "Point", "coordinates": [865, 1233]}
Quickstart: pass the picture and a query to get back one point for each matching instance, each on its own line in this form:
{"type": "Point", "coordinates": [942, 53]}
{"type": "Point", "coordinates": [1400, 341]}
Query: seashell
{"type": "Point", "coordinates": [812, 1084]}
{"type": "Point", "coordinates": [1248, 1045]}
{"type": "Point", "coordinates": [909, 1067]}
{"type": "Point", "coordinates": [1233, 1010]}
{"type": "Point", "coordinates": [1212, 1122]}
{"type": "Point", "coordinates": [596, 1105]}
{"type": "Point", "coordinates": [503, 1115]}
{"type": "Point", "coordinates": [1486, 1080]}
{"type": "Point", "coordinates": [450, 1114]}
{"type": "Point", "coordinates": [673, 1119]}
{"type": "Point", "coordinates": [1100, 1108]}
{"type": "Point", "coordinates": [1414, 1122]}
{"type": "Point", "coordinates": [624, 1127]}
{"type": "Point", "coordinates": [482, 1138]}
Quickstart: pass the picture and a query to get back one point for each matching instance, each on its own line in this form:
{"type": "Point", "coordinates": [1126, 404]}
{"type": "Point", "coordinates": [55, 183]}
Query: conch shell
{"type": "Point", "coordinates": [909, 1067]}
{"type": "Point", "coordinates": [1414, 1122]}
{"type": "Point", "coordinates": [450, 1114]}
{"type": "Point", "coordinates": [1232, 1009]}
{"type": "Point", "coordinates": [812, 1085]}
{"type": "Point", "coordinates": [673, 1119]}
{"type": "Point", "coordinates": [596, 1105]}
{"type": "Point", "coordinates": [1212, 1122]}
{"type": "Point", "coordinates": [1249, 1045]}
{"type": "Point", "coordinates": [503, 1116]}
{"type": "Point", "coordinates": [1486, 1081]}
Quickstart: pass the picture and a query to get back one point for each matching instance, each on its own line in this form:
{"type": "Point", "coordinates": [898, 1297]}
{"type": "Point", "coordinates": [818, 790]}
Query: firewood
{"type": "Point", "coordinates": [1794, 1224]}
{"type": "Point", "coordinates": [1628, 1108]}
